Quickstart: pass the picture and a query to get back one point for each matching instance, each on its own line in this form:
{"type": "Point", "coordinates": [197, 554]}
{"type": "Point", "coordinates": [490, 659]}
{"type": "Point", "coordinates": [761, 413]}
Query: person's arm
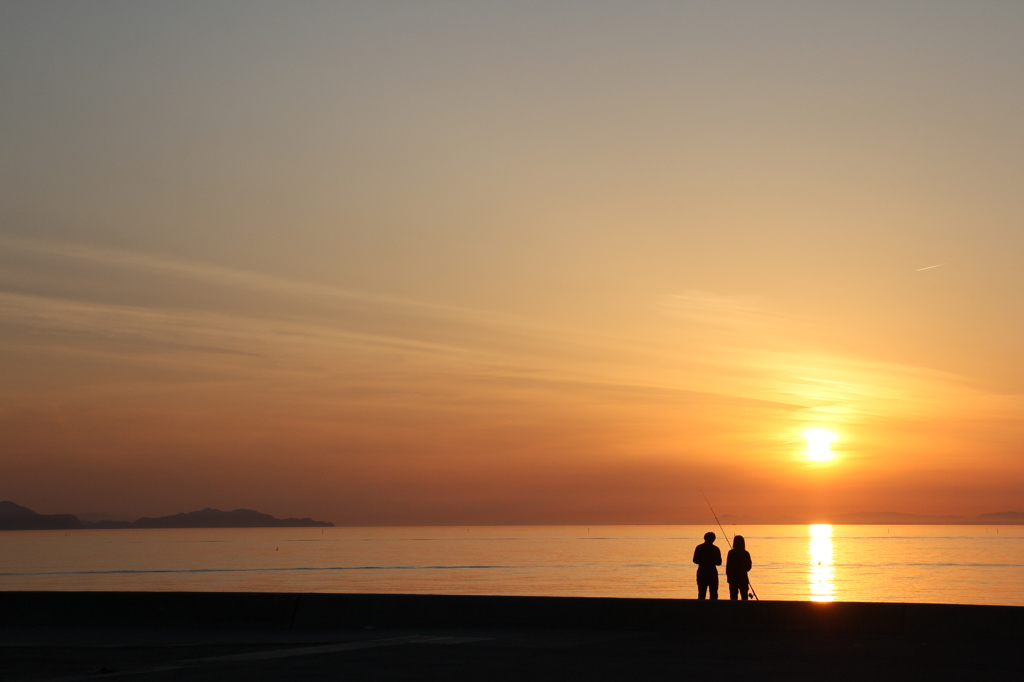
{"type": "Point", "coordinates": [696, 555]}
{"type": "Point", "coordinates": [750, 563]}
{"type": "Point", "coordinates": [719, 553]}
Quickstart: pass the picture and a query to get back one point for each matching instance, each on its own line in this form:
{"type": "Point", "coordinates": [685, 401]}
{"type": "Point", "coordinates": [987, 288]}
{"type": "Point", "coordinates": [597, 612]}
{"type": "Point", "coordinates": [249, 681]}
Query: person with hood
{"type": "Point", "coordinates": [737, 565]}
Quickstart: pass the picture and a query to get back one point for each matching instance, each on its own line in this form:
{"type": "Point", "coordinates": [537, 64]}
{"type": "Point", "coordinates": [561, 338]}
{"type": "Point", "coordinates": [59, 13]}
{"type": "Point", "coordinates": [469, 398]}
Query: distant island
{"type": "Point", "coordinates": [213, 518]}
{"type": "Point", "coordinates": [896, 519]}
{"type": "Point", "coordinates": [16, 517]}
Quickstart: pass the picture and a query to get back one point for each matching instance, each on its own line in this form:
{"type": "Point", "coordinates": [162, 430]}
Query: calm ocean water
{"type": "Point", "coordinates": [942, 564]}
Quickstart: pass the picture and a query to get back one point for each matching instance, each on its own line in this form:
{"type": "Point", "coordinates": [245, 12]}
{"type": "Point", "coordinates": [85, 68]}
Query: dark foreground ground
{"type": "Point", "coordinates": [723, 641]}
{"type": "Point", "coordinates": [504, 655]}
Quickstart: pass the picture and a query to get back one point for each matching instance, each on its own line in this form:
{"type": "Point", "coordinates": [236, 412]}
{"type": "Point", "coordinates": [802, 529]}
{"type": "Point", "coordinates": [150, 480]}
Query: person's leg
{"type": "Point", "coordinates": [734, 592]}
{"type": "Point", "coordinates": [702, 589]}
{"type": "Point", "coordinates": [713, 589]}
{"type": "Point", "coordinates": [746, 591]}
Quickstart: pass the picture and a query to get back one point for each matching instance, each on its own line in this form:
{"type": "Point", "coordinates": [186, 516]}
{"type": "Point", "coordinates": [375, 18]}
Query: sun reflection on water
{"type": "Point", "coordinates": [821, 571]}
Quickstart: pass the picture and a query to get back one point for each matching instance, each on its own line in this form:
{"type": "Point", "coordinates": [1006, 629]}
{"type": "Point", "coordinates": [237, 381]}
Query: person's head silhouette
{"type": "Point", "coordinates": [709, 538]}
{"type": "Point", "coordinates": [738, 542]}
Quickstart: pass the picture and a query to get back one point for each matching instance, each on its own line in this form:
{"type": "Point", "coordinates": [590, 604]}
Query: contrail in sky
{"type": "Point", "coordinates": [930, 267]}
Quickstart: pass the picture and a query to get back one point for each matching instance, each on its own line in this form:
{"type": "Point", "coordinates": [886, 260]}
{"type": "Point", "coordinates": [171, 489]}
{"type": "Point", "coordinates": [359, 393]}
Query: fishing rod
{"type": "Point", "coordinates": [727, 541]}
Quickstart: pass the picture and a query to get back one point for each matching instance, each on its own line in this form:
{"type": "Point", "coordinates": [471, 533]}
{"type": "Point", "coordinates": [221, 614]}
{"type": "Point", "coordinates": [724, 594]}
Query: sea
{"type": "Point", "coordinates": [928, 563]}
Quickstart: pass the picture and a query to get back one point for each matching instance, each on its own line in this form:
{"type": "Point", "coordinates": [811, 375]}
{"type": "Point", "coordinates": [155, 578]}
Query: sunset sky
{"type": "Point", "coordinates": [512, 262]}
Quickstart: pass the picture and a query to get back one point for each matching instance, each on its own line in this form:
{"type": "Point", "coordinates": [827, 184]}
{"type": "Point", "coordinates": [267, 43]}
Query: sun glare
{"type": "Point", "coordinates": [819, 445]}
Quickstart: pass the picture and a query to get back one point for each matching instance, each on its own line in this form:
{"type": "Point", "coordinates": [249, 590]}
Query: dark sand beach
{"type": "Point", "coordinates": [239, 636]}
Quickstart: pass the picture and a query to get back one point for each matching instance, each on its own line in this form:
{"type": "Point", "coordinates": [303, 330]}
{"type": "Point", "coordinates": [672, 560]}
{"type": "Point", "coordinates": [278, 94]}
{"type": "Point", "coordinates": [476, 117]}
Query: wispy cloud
{"type": "Point", "coordinates": [375, 318]}
{"type": "Point", "coordinates": [153, 265]}
{"type": "Point", "coordinates": [706, 343]}
{"type": "Point", "coordinates": [293, 322]}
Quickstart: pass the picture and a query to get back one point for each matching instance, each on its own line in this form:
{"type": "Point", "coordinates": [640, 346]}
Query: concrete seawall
{"type": "Point", "coordinates": [292, 611]}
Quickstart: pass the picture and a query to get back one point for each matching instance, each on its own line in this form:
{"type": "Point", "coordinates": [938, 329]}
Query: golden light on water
{"type": "Point", "coordinates": [819, 445]}
{"type": "Point", "coordinates": [821, 571]}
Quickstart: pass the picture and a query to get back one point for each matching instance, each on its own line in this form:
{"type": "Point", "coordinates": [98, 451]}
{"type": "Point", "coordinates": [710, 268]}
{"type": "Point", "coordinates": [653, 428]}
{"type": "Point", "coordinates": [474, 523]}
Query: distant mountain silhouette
{"type": "Point", "coordinates": [1009, 517]}
{"type": "Point", "coordinates": [213, 518]}
{"type": "Point", "coordinates": [15, 517]}
{"type": "Point", "coordinates": [898, 518]}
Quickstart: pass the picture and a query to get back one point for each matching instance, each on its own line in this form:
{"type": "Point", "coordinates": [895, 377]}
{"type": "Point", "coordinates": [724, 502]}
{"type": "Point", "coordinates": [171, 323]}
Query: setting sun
{"type": "Point", "coordinates": [819, 445]}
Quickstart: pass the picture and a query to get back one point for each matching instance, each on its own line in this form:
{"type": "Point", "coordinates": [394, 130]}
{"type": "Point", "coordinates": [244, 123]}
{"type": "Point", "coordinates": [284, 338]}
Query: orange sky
{"type": "Point", "coordinates": [505, 263]}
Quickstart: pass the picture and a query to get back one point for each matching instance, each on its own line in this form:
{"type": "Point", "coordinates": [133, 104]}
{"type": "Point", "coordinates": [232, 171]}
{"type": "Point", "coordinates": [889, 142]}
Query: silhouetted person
{"type": "Point", "coordinates": [708, 558]}
{"type": "Point", "coordinates": [737, 564]}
